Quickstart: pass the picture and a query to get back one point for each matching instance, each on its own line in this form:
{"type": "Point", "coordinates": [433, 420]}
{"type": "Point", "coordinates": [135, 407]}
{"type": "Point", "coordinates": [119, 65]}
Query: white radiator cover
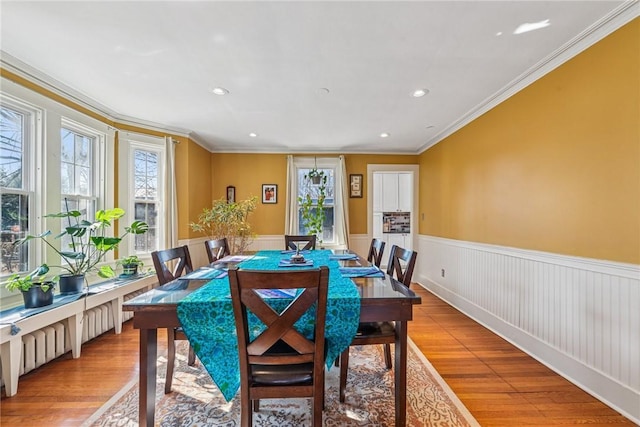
{"type": "Point", "coordinates": [580, 317]}
{"type": "Point", "coordinates": [45, 344]}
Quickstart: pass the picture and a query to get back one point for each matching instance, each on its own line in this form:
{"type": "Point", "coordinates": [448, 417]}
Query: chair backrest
{"type": "Point", "coordinates": [402, 274]}
{"type": "Point", "coordinates": [171, 263]}
{"type": "Point", "coordinates": [279, 334]}
{"type": "Point", "coordinates": [216, 249]}
{"type": "Point", "coordinates": [293, 242]}
{"type": "Point", "coordinates": [375, 251]}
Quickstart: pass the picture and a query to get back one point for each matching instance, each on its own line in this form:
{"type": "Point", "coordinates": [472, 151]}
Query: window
{"type": "Point", "coordinates": [78, 152]}
{"type": "Point", "coordinates": [146, 197]}
{"type": "Point", "coordinates": [305, 186]}
{"type": "Point", "coordinates": [334, 227]}
{"type": "Point", "coordinates": [142, 177]}
{"type": "Point", "coordinates": [16, 185]}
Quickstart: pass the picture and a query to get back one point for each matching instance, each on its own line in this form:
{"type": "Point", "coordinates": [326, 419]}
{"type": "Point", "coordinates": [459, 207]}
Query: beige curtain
{"type": "Point", "coordinates": [343, 196]}
{"type": "Point", "coordinates": [171, 199]}
{"type": "Point", "coordinates": [291, 200]}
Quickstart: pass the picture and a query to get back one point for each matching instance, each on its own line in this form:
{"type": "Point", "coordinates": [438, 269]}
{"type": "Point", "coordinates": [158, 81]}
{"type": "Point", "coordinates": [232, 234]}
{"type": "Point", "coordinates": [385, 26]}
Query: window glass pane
{"type": "Point", "coordinates": [306, 186]}
{"type": "Point", "coordinates": [14, 225]}
{"type": "Point", "coordinates": [68, 146]}
{"type": "Point", "coordinates": [83, 150]}
{"type": "Point", "coordinates": [146, 212]}
{"type": "Point", "coordinates": [76, 163]}
{"type": "Point", "coordinates": [11, 148]}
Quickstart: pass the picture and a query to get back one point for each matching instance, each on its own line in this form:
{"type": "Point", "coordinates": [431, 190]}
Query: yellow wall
{"type": "Point", "coordinates": [247, 172]}
{"type": "Point", "coordinates": [554, 168]}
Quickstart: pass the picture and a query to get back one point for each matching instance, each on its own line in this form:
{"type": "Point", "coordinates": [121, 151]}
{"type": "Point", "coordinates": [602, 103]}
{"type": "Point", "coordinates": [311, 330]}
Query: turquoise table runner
{"type": "Point", "coordinates": [207, 317]}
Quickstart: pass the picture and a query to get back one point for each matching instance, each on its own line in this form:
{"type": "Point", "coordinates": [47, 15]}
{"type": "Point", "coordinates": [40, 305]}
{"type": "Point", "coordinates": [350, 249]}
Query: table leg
{"type": "Point", "coordinates": [401, 373]}
{"type": "Point", "coordinates": [148, 359]}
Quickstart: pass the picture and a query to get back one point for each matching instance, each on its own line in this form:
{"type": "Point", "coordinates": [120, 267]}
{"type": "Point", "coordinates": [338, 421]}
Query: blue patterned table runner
{"type": "Point", "coordinates": [207, 317]}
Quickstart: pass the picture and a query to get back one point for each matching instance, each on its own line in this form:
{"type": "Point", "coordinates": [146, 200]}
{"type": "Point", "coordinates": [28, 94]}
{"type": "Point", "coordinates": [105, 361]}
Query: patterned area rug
{"type": "Point", "coordinates": [195, 400]}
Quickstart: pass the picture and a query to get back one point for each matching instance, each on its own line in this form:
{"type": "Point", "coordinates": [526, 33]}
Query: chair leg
{"type": "Point", "coordinates": [387, 355]}
{"type": "Point", "coordinates": [246, 417]}
{"type": "Point", "coordinates": [192, 356]}
{"type": "Point", "coordinates": [171, 357]}
{"type": "Point", "coordinates": [256, 405]}
{"type": "Point", "coordinates": [344, 366]}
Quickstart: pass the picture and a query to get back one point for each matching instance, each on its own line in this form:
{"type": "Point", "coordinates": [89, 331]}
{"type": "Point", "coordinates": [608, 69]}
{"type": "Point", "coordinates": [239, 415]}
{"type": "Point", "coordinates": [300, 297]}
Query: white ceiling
{"type": "Point", "coordinates": [155, 63]}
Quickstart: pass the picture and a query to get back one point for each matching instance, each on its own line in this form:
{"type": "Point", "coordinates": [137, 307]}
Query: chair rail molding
{"type": "Point", "coordinates": [578, 316]}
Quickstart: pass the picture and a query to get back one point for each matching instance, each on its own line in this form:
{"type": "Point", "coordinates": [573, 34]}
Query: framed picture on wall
{"type": "Point", "coordinates": [269, 193]}
{"type": "Point", "coordinates": [355, 185]}
{"type": "Point", "coordinates": [231, 194]}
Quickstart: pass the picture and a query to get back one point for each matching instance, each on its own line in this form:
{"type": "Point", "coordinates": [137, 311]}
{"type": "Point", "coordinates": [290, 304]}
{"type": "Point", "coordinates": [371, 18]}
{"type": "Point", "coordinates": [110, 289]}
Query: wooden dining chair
{"type": "Point", "coordinates": [292, 242]}
{"type": "Point", "coordinates": [381, 332]}
{"type": "Point", "coordinates": [216, 249]}
{"type": "Point", "coordinates": [171, 264]}
{"type": "Point", "coordinates": [376, 250]}
{"type": "Point", "coordinates": [280, 362]}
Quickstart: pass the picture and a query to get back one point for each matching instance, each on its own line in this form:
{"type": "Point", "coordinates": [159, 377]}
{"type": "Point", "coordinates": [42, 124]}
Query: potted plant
{"type": "Point", "coordinates": [230, 220]}
{"type": "Point", "coordinates": [312, 203]}
{"type": "Point", "coordinates": [89, 244]}
{"type": "Point", "coordinates": [130, 265]}
{"type": "Point", "coordinates": [36, 290]}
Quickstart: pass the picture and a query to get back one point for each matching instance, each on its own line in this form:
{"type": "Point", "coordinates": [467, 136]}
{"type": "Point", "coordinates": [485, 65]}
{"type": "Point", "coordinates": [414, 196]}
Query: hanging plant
{"type": "Point", "coordinates": [312, 204]}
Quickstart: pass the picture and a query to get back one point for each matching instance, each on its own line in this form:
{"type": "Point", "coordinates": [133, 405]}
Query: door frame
{"type": "Point", "coordinates": [415, 169]}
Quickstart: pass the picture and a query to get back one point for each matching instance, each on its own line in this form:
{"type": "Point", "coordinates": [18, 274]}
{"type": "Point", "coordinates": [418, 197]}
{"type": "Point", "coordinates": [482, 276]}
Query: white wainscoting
{"type": "Point", "coordinates": [579, 316]}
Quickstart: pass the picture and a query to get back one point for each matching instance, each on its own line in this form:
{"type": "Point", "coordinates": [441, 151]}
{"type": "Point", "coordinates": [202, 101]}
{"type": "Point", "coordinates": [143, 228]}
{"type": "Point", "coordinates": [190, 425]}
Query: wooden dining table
{"type": "Point", "coordinates": [382, 299]}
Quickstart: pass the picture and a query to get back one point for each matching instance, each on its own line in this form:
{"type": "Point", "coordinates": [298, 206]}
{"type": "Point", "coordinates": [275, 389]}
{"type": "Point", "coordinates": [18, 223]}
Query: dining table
{"type": "Point", "coordinates": [373, 297]}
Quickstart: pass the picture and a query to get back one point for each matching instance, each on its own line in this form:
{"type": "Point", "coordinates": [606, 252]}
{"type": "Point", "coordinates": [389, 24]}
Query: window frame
{"type": "Point", "coordinates": [128, 142]}
{"type": "Point", "coordinates": [32, 159]}
{"type": "Point", "coordinates": [320, 163]}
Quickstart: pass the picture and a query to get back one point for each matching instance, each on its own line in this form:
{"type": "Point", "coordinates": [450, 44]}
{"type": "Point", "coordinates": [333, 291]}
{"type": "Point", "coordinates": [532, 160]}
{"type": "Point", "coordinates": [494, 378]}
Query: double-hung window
{"type": "Point", "coordinates": [142, 172]}
{"type": "Point", "coordinates": [17, 146]}
{"type": "Point", "coordinates": [333, 227]}
{"type": "Point", "coordinates": [80, 150]}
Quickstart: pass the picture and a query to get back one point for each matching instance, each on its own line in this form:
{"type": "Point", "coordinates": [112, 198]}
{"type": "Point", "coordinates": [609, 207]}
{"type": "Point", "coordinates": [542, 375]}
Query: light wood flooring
{"type": "Point", "coordinates": [499, 384]}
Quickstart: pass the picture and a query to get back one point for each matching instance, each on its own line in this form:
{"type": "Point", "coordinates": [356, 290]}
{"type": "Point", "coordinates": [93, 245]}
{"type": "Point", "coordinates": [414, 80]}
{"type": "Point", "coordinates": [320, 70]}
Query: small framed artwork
{"type": "Point", "coordinates": [355, 185]}
{"type": "Point", "coordinates": [231, 194]}
{"type": "Point", "coordinates": [269, 193]}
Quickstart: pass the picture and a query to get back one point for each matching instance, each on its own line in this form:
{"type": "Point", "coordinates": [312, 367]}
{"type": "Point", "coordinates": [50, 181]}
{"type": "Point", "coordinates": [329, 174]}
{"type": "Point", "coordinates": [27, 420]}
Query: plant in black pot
{"type": "Point", "coordinates": [88, 245]}
{"type": "Point", "coordinates": [36, 290]}
{"type": "Point", "coordinates": [130, 266]}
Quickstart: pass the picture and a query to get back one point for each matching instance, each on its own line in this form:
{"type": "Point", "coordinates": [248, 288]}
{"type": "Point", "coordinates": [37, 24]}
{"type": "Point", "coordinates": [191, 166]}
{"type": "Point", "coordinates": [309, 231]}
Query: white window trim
{"type": "Point", "coordinates": [322, 163]}
{"type": "Point", "coordinates": [127, 143]}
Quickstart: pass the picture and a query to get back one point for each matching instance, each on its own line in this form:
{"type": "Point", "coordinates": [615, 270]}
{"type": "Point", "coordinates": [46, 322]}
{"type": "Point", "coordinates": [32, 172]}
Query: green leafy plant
{"type": "Point", "coordinates": [36, 278]}
{"type": "Point", "coordinates": [312, 203]}
{"type": "Point", "coordinates": [230, 220]}
{"type": "Point", "coordinates": [89, 240]}
{"type": "Point", "coordinates": [128, 264]}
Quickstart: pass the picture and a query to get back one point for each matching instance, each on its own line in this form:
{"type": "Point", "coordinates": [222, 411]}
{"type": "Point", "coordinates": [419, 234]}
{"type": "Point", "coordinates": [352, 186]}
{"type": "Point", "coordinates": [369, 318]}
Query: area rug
{"type": "Point", "coordinates": [195, 400]}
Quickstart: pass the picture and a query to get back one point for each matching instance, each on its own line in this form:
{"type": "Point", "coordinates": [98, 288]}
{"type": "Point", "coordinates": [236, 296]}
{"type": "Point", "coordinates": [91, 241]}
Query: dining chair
{"type": "Point", "coordinates": [280, 362]}
{"type": "Point", "coordinates": [171, 264]}
{"type": "Point", "coordinates": [376, 249]}
{"type": "Point", "coordinates": [295, 242]}
{"type": "Point", "coordinates": [216, 249]}
{"type": "Point", "coordinates": [381, 332]}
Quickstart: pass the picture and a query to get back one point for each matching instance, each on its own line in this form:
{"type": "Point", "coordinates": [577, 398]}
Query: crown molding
{"type": "Point", "coordinates": [620, 16]}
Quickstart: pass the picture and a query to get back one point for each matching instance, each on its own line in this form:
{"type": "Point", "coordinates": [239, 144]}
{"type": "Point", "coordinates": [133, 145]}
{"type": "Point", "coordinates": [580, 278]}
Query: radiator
{"type": "Point", "coordinates": [44, 345]}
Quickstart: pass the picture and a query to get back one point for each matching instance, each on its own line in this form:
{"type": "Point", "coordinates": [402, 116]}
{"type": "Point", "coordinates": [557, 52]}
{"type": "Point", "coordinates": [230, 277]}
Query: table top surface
{"type": "Point", "coordinates": [370, 288]}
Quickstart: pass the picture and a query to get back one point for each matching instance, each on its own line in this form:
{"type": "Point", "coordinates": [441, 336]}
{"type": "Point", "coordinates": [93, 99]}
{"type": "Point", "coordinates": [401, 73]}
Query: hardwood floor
{"type": "Point", "coordinates": [499, 384]}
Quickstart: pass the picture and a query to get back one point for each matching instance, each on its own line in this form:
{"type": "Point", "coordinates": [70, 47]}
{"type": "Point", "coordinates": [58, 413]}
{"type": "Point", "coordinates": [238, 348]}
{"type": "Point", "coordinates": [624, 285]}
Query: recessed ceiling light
{"type": "Point", "coordinates": [419, 93]}
{"type": "Point", "coordinates": [499, 33]}
{"type": "Point", "coordinates": [323, 91]}
{"type": "Point", "coordinates": [384, 135]}
{"type": "Point", "coordinates": [253, 135]}
{"type": "Point", "coordinates": [219, 91]}
{"type": "Point", "coordinates": [531, 26]}
{"type": "Point", "coordinates": [430, 127]}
